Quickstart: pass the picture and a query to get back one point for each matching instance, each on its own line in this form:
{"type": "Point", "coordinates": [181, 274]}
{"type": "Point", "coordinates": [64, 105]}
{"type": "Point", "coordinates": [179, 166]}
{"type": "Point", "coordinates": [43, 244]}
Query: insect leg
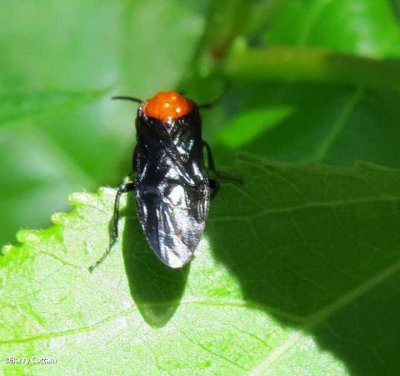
{"type": "Point", "coordinates": [214, 188]}
{"type": "Point", "coordinates": [215, 101]}
{"type": "Point", "coordinates": [211, 163]}
{"type": "Point", "coordinates": [123, 188]}
{"type": "Point", "coordinates": [211, 166]}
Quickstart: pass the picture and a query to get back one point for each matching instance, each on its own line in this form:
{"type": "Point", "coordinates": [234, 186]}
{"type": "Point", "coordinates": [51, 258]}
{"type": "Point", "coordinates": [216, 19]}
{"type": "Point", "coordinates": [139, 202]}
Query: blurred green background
{"type": "Point", "coordinates": [62, 61]}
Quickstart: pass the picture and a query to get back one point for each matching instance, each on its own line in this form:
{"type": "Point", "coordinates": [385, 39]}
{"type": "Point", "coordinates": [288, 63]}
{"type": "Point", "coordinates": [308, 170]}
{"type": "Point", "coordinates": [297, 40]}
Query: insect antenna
{"type": "Point", "coordinates": [127, 98]}
{"type": "Point", "coordinates": [218, 99]}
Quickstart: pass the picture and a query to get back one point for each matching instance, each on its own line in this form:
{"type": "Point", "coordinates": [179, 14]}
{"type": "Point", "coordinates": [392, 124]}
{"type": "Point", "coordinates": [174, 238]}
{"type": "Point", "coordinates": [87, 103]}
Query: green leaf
{"type": "Point", "coordinates": [362, 27]}
{"type": "Point", "coordinates": [324, 122]}
{"type": "Point", "coordinates": [54, 54]}
{"type": "Point", "coordinates": [36, 172]}
{"type": "Point", "coordinates": [17, 106]}
{"type": "Point", "coordinates": [298, 272]}
{"type": "Point", "coordinates": [317, 123]}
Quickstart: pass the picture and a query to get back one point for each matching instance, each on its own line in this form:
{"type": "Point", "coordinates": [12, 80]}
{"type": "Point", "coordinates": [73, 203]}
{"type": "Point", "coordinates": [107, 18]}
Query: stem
{"type": "Point", "coordinates": [226, 20]}
{"type": "Point", "coordinates": [312, 65]}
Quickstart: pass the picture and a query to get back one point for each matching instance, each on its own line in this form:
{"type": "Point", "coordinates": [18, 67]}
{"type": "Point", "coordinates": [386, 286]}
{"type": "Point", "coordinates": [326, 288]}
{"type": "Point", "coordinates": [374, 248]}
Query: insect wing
{"type": "Point", "coordinates": [173, 219]}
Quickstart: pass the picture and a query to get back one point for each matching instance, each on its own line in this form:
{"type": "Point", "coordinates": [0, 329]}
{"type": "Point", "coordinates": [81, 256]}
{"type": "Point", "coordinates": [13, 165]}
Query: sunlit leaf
{"type": "Point", "coordinates": [298, 270]}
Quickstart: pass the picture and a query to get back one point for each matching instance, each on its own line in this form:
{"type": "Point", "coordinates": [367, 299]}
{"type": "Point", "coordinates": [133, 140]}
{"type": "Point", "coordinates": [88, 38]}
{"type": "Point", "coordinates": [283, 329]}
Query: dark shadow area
{"type": "Point", "coordinates": [330, 124]}
{"type": "Point", "coordinates": [319, 244]}
{"type": "Point", "coordinates": [155, 288]}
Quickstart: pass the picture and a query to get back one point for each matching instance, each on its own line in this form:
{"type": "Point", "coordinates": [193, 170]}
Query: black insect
{"type": "Point", "coordinates": [171, 188]}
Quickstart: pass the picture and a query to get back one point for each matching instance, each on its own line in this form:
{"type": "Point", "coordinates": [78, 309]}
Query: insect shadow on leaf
{"type": "Point", "coordinates": [156, 289]}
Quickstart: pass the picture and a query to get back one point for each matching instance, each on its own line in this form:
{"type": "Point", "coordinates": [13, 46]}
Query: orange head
{"type": "Point", "coordinates": [167, 106]}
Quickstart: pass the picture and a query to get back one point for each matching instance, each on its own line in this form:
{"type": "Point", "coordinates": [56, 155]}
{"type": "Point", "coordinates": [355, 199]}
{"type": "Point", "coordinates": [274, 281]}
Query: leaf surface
{"type": "Point", "coordinates": [298, 270]}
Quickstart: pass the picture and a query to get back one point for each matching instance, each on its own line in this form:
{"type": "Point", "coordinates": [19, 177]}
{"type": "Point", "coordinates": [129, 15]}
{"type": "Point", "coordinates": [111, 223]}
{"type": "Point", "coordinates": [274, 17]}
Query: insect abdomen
{"type": "Point", "coordinates": [173, 219]}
